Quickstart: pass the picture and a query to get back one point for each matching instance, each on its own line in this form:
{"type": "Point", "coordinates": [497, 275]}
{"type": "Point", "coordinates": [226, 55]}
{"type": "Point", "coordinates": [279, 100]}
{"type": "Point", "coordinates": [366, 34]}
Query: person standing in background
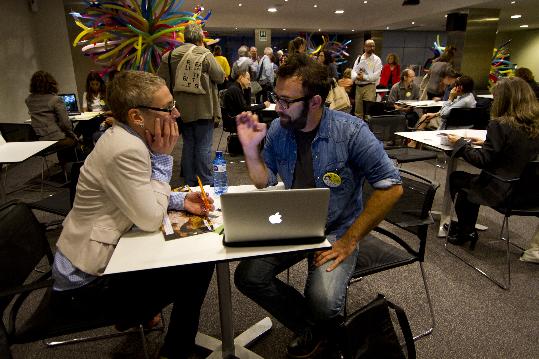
{"type": "Point", "coordinates": [223, 62]}
{"type": "Point", "coordinates": [325, 58]}
{"type": "Point", "coordinates": [439, 68]}
{"type": "Point", "coordinates": [265, 76]}
{"type": "Point", "coordinates": [199, 104]}
{"type": "Point", "coordinates": [366, 75]}
{"type": "Point", "coordinates": [93, 99]}
{"type": "Point", "coordinates": [391, 71]}
{"type": "Point", "coordinates": [298, 45]}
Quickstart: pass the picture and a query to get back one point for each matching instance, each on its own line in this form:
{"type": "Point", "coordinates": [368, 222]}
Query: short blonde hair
{"type": "Point", "coordinates": [130, 89]}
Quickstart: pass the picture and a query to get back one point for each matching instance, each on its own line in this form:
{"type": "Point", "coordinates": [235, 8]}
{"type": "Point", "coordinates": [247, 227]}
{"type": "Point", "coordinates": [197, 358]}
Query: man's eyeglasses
{"type": "Point", "coordinates": [284, 103]}
{"type": "Point", "coordinates": [168, 109]}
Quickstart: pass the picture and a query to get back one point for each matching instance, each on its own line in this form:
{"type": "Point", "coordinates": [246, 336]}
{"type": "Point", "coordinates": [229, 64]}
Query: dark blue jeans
{"type": "Point", "coordinates": [196, 153]}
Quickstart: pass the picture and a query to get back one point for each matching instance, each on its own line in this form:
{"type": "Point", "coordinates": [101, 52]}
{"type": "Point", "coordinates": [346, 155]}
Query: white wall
{"type": "Point", "coordinates": [30, 42]}
{"type": "Point", "coordinates": [524, 48]}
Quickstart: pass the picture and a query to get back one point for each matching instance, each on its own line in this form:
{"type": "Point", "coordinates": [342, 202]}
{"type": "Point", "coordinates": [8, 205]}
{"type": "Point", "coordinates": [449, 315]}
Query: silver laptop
{"type": "Point", "coordinates": [275, 217]}
{"type": "Point", "coordinates": [70, 100]}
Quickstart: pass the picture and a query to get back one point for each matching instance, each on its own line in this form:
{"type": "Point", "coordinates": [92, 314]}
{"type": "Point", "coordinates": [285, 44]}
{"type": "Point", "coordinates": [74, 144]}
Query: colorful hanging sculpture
{"type": "Point", "coordinates": [501, 65]}
{"type": "Point", "coordinates": [337, 49]}
{"type": "Point", "coordinates": [133, 34]}
{"type": "Point", "coordinates": [437, 49]}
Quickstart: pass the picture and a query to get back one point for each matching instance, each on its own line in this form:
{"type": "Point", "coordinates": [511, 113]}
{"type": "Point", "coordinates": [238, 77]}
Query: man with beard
{"type": "Point", "coordinates": [313, 146]}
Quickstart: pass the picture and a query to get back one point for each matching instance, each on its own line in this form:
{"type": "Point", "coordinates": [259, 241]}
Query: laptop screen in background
{"type": "Point", "coordinates": [70, 101]}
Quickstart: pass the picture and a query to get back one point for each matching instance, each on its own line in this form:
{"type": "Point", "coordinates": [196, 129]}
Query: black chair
{"type": "Point", "coordinates": [476, 118]}
{"type": "Point", "coordinates": [23, 245]}
{"type": "Point", "coordinates": [522, 199]}
{"type": "Point", "coordinates": [411, 213]}
{"type": "Point", "coordinates": [385, 127]}
{"type": "Point", "coordinates": [61, 202]}
{"type": "Point", "coordinates": [373, 108]}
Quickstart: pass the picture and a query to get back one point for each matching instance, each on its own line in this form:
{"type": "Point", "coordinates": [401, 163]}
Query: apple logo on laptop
{"type": "Point", "coordinates": [275, 218]}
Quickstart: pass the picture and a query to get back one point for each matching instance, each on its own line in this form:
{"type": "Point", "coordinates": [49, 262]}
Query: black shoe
{"type": "Point", "coordinates": [461, 239]}
{"type": "Point", "coordinates": [306, 345]}
{"type": "Point", "coordinates": [453, 230]}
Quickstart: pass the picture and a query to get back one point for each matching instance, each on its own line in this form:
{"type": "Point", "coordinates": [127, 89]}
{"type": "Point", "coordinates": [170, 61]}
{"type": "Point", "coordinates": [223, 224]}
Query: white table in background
{"type": "Point", "coordinates": [486, 96]}
{"type": "Point", "coordinates": [84, 116]}
{"type": "Point", "coordinates": [423, 104]}
{"type": "Point", "coordinates": [15, 152]}
{"type": "Point", "coordinates": [144, 251]}
{"type": "Point", "coordinates": [433, 139]}
{"type": "Point", "coordinates": [271, 107]}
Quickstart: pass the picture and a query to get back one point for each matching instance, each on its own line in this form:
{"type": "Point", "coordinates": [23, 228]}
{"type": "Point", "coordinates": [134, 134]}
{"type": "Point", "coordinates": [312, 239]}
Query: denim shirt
{"type": "Point", "coordinates": [344, 145]}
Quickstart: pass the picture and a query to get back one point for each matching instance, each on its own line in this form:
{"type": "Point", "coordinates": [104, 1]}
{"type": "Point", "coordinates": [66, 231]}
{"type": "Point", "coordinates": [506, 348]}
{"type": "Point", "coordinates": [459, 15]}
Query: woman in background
{"type": "Point", "coordinates": [223, 62]}
{"type": "Point", "coordinates": [527, 75]}
{"type": "Point", "coordinates": [93, 99]}
{"type": "Point", "coordinates": [49, 117]}
{"type": "Point", "coordinates": [438, 71]}
{"type": "Point", "coordinates": [298, 45]}
{"type": "Point", "coordinates": [512, 141]}
{"type": "Point", "coordinates": [325, 58]}
{"type": "Point", "coordinates": [391, 72]}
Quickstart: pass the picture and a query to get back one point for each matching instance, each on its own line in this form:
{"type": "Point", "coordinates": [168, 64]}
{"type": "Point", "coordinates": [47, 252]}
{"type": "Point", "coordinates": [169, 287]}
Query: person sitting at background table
{"type": "Point", "coordinates": [124, 183]}
{"type": "Point", "coordinates": [512, 141]}
{"type": "Point", "coordinates": [235, 101]}
{"type": "Point", "coordinates": [405, 90]}
{"type": "Point", "coordinates": [527, 75]}
{"type": "Point", "coordinates": [461, 96]}
{"type": "Point", "coordinates": [93, 99]}
{"type": "Point", "coordinates": [311, 146]}
{"type": "Point", "coordinates": [49, 117]}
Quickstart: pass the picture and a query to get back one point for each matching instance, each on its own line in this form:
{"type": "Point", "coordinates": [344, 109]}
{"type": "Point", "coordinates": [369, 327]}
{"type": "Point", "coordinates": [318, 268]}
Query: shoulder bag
{"type": "Point", "coordinates": [338, 98]}
{"type": "Point", "coordinates": [368, 333]}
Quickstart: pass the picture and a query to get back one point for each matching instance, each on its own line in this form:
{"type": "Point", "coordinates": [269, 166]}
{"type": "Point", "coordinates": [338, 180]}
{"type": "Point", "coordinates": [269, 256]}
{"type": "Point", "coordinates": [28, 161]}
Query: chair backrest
{"type": "Point", "coordinates": [412, 210]}
{"type": "Point", "coordinates": [74, 179]}
{"type": "Point", "coordinates": [23, 244]}
{"type": "Point", "coordinates": [476, 118]}
{"type": "Point", "coordinates": [372, 108]}
{"type": "Point", "coordinates": [384, 127]}
{"type": "Point", "coordinates": [17, 132]}
{"type": "Point", "coordinates": [526, 190]}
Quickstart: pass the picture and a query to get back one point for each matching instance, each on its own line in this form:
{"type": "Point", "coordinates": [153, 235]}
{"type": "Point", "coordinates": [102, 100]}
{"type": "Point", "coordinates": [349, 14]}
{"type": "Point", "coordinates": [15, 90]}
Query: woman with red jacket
{"type": "Point", "coordinates": [391, 71]}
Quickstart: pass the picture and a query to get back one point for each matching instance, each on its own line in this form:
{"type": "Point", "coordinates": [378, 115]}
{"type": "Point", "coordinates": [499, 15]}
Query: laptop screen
{"type": "Point", "coordinates": [70, 100]}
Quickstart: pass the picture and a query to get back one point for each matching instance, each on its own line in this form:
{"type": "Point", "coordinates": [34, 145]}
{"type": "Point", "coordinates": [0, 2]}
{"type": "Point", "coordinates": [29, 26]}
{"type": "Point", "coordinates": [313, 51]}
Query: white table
{"type": "Point", "coordinates": [490, 96]}
{"type": "Point", "coordinates": [433, 138]}
{"type": "Point", "coordinates": [422, 104]}
{"type": "Point", "coordinates": [142, 250]}
{"type": "Point", "coordinates": [84, 116]}
{"type": "Point", "coordinates": [15, 152]}
{"type": "Point", "coordinates": [271, 107]}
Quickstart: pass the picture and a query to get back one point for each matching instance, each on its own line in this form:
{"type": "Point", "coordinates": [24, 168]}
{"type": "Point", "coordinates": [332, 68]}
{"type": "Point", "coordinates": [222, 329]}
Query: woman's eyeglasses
{"type": "Point", "coordinates": [168, 109]}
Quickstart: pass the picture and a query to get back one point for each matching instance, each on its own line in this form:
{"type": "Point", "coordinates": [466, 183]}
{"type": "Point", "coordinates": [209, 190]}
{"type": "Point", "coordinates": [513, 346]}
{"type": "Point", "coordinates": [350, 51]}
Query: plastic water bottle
{"type": "Point", "coordinates": [220, 181]}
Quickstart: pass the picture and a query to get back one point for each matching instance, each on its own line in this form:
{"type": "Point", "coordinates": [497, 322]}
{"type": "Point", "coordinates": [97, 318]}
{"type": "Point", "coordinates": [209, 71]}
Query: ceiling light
{"type": "Point", "coordinates": [523, 25]}
{"type": "Point", "coordinates": [364, 2]}
{"type": "Point", "coordinates": [387, 27]}
{"type": "Point", "coordinates": [240, 4]}
{"type": "Point", "coordinates": [410, 2]}
{"type": "Point", "coordinates": [512, 2]}
{"type": "Point", "coordinates": [353, 30]}
{"type": "Point", "coordinates": [516, 16]}
{"type": "Point", "coordinates": [413, 22]}
{"type": "Point", "coordinates": [284, 29]}
{"type": "Point", "coordinates": [445, 15]}
{"type": "Point", "coordinates": [235, 28]}
{"type": "Point", "coordinates": [315, 5]}
{"type": "Point", "coordinates": [272, 9]}
{"type": "Point", "coordinates": [339, 11]}
{"type": "Point", "coordinates": [321, 29]}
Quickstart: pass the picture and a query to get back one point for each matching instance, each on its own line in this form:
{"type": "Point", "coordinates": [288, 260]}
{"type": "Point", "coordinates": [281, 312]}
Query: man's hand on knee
{"type": "Point", "coordinates": [340, 250]}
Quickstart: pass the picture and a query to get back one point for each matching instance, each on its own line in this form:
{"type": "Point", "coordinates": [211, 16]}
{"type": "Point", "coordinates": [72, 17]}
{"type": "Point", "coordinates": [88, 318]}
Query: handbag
{"type": "Point", "coordinates": [255, 87]}
{"type": "Point", "coordinates": [338, 98]}
{"type": "Point", "coordinates": [368, 333]}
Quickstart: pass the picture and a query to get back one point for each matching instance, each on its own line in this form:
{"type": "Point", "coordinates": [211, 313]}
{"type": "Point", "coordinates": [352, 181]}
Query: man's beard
{"type": "Point", "coordinates": [298, 123]}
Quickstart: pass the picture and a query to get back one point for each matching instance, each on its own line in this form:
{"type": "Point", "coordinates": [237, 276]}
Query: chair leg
{"type": "Point", "coordinates": [143, 340]}
{"type": "Point", "coordinates": [431, 308]}
{"type": "Point", "coordinates": [505, 226]}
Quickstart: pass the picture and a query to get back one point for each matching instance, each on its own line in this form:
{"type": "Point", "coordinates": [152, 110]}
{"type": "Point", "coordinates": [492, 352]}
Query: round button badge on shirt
{"type": "Point", "coordinates": [332, 179]}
